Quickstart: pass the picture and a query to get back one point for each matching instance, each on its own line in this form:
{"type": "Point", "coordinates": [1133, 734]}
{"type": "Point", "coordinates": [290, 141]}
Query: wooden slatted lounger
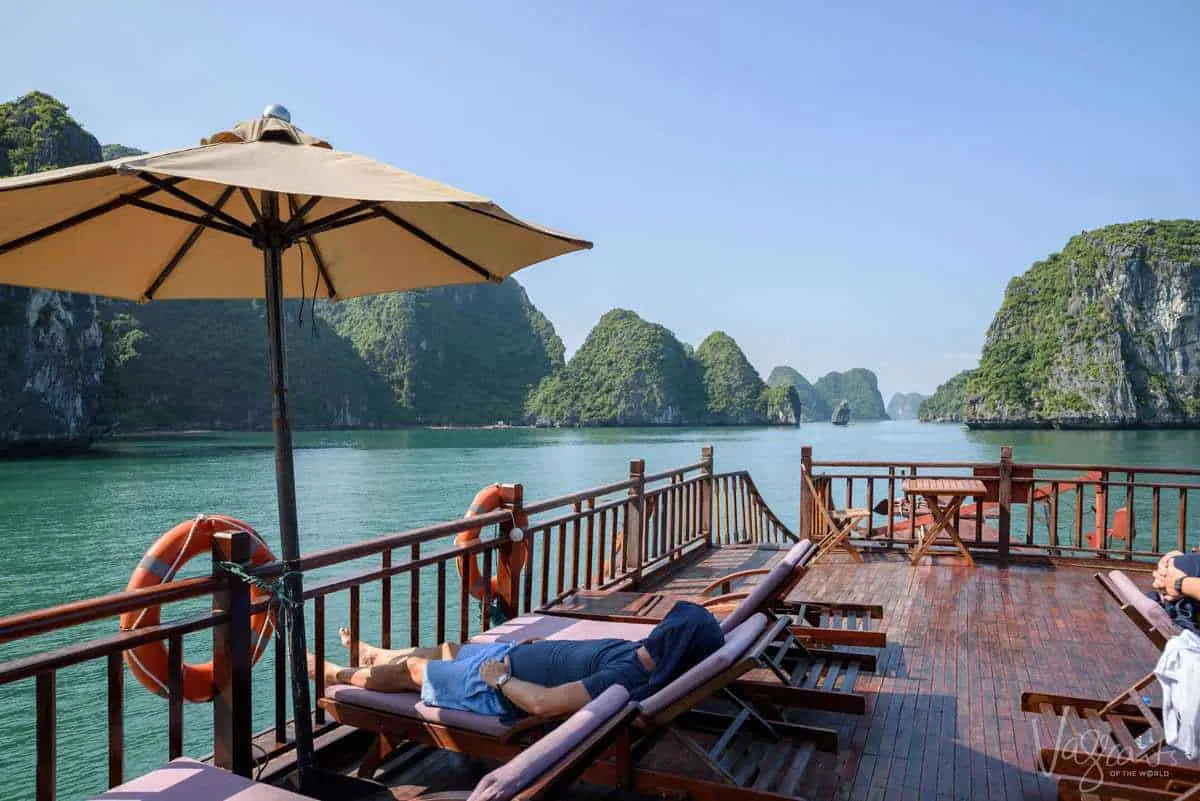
{"type": "Point", "coordinates": [751, 759]}
{"type": "Point", "coordinates": [1073, 730]}
{"type": "Point", "coordinates": [797, 674]}
{"type": "Point", "coordinates": [817, 623]}
{"type": "Point", "coordinates": [540, 773]}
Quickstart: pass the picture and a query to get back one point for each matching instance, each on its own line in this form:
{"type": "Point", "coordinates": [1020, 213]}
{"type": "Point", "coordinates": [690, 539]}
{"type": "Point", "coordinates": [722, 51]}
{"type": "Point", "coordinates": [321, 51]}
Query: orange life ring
{"type": "Point", "coordinates": [166, 556]}
{"type": "Point", "coordinates": [489, 499]}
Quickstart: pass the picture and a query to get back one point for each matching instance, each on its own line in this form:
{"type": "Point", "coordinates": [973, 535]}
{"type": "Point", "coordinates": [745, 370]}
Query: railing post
{"type": "Point", "coordinates": [232, 734]}
{"type": "Point", "coordinates": [635, 519]}
{"type": "Point", "coordinates": [706, 494]}
{"type": "Point", "coordinates": [806, 500]}
{"type": "Point", "coordinates": [513, 496]}
{"type": "Point", "coordinates": [1004, 497]}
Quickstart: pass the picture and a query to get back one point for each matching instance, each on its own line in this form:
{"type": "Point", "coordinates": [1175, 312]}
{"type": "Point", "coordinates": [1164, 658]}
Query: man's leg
{"type": "Point", "coordinates": [403, 676]}
{"type": "Point", "coordinates": [369, 655]}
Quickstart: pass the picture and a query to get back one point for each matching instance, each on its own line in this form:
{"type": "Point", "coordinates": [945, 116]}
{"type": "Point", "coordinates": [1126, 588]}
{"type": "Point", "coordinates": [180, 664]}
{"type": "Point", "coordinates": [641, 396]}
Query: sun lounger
{"type": "Point", "coordinates": [817, 623]}
{"type": "Point", "coordinates": [1083, 738]}
{"type": "Point", "coordinates": [189, 780]}
{"type": "Point", "coordinates": [1150, 618]}
{"type": "Point", "coordinates": [739, 764]}
{"type": "Point", "coordinates": [539, 773]}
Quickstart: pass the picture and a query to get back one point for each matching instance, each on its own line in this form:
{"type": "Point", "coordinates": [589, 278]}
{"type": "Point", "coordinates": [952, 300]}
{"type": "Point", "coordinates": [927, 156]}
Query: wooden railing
{"type": "Point", "coordinates": [1128, 512]}
{"type": "Point", "coordinates": [605, 537]}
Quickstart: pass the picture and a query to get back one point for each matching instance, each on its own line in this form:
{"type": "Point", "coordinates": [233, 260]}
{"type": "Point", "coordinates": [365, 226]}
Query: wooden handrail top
{"type": "Point", "coordinates": [358, 550]}
{"type": "Point", "coordinates": [28, 666]}
{"type": "Point", "coordinates": [1077, 468]}
{"type": "Point", "coordinates": [53, 618]}
{"type": "Point", "coordinates": [583, 495]}
{"type": "Point", "coordinates": [675, 471]}
{"type": "Point", "coordinates": [1112, 481]}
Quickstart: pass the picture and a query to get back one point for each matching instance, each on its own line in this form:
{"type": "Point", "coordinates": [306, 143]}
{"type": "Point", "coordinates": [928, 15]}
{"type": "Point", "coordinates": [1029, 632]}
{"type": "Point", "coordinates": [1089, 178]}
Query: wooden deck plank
{"type": "Point", "coordinates": [943, 717]}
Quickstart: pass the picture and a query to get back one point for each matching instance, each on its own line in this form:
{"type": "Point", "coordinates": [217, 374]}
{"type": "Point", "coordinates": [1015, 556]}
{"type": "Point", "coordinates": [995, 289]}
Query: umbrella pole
{"type": "Point", "coordinates": [308, 780]}
{"type": "Point", "coordinates": [285, 482]}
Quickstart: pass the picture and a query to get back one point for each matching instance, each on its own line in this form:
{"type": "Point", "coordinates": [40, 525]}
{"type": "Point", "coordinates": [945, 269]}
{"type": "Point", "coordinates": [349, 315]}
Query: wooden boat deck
{"type": "Point", "coordinates": [943, 717]}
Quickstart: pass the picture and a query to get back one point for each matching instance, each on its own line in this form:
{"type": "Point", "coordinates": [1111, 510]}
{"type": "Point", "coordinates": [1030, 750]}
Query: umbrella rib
{"type": "Point", "coordinates": [519, 224]}
{"type": "Point", "coordinates": [197, 219]}
{"type": "Point", "coordinates": [298, 213]}
{"type": "Point", "coordinates": [434, 243]}
{"type": "Point", "coordinates": [81, 217]}
{"type": "Point", "coordinates": [325, 223]}
{"type": "Point", "coordinates": [249, 198]}
{"type": "Point", "coordinates": [165, 273]}
{"type": "Point", "coordinates": [192, 200]}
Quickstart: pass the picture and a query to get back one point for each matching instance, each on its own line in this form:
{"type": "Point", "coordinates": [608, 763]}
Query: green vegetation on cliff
{"type": "Point", "coordinates": [1101, 333]}
{"type": "Point", "coordinates": [110, 152]}
{"type": "Point", "coordinates": [37, 133]}
{"type": "Point", "coordinates": [462, 354]}
{"type": "Point", "coordinates": [812, 406]}
{"type": "Point", "coordinates": [627, 372]}
{"type": "Point", "coordinates": [948, 404]}
{"type": "Point", "coordinates": [203, 364]}
{"type": "Point", "coordinates": [859, 387]}
{"type": "Point", "coordinates": [732, 387]}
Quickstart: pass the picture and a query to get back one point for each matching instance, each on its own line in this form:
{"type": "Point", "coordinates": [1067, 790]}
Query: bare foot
{"type": "Point", "coordinates": [331, 670]}
{"type": "Point", "coordinates": [367, 654]}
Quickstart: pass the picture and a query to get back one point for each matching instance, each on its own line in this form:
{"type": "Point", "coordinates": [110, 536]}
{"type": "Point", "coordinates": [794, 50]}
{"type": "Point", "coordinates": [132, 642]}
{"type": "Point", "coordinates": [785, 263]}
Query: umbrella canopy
{"type": "Point", "coordinates": [178, 224]}
{"type": "Point", "coordinates": [263, 210]}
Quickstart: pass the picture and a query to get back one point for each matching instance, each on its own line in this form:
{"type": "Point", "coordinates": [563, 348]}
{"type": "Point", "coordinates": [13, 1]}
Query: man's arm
{"type": "Point", "coordinates": [534, 699]}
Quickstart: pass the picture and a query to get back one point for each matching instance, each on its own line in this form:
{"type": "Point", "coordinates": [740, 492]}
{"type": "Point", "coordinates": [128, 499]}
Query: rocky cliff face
{"type": "Point", "coordinates": [51, 370]}
{"type": "Point", "coordinates": [627, 372]}
{"type": "Point", "coordinates": [905, 405]}
{"type": "Point", "coordinates": [948, 404]}
{"type": "Point", "coordinates": [812, 406]}
{"type": "Point", "coordinates": [858, 387]}
{"type": "Point", "coordinates": [782, 405]}
{"type": "Point", "coordinates": [50, 342]}
{"type": "Point", "coordinates": [1104, 334]}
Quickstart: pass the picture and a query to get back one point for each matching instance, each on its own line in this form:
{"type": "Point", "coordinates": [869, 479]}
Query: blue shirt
{"type": "Point", "coordinates": [599, 664]}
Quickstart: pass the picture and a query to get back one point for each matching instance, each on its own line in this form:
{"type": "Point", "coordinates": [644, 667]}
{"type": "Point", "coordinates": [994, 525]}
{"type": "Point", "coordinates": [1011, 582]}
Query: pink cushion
{"type": "Point", "coordinates": [531, 764]}
{"type": "Point", "coordinates": [737, 643]}
{"type": "Point", "coordinates": [409, 705]}
{"type": "Point", "coordinates": [800, 553]}
{"type": "Point", "coordinates": [1129, 594]}
{"type": "Point", "coordinates": [760, 597]}
{"type": "Point", "coordinates": [555, 627]}
{"type": "Point", "coordinates": [189, 780]}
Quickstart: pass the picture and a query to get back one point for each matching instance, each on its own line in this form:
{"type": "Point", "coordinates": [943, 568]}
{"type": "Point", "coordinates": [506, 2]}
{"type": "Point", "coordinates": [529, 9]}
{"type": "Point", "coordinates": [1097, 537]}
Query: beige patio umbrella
{"type": "Point", "coordinates": [263, 210]}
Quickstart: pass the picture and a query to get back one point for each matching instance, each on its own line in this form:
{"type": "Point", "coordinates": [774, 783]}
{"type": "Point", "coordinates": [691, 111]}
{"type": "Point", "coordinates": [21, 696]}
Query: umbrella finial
{"type": "Point", "coordinates": [278, 112]}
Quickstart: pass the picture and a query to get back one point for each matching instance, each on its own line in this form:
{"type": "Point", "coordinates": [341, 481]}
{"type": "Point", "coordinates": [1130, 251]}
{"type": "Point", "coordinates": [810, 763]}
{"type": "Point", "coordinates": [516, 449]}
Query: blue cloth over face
{"type": "Point", "coordinates": [687, 635]}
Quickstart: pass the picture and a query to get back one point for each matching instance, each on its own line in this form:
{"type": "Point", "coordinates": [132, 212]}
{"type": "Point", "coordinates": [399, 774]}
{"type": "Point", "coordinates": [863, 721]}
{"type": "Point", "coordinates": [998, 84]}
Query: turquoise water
{"type": "Point", "coordinates": [73, 528]}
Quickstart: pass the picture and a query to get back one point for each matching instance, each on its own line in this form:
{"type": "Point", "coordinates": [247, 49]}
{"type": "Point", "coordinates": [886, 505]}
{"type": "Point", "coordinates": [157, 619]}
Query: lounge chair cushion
{"type": "Point", "coordinates": [800, 553]}
{"type": "Point", "coordinates": [189, 780]}
{"type": "Point", "coordinates": [409, 705]}
{"type": "Point", "coordinates": [556, 627]}
{"type": "Point", "coordinates": [737, 643]}
{"type": "Point", "coordinates": [1130, 594]}
{"type": "Point", "coordinates": [531, 764]}
{"type": "Point", "coordinates": [760, 596]}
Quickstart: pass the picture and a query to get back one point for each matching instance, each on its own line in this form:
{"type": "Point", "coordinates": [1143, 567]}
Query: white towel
{"type": "Point", "coordinates": [1178, 671]}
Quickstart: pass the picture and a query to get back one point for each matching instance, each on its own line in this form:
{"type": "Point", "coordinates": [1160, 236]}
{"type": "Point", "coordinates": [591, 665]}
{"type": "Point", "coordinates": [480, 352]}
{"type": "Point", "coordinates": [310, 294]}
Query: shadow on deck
{"type": "Point", "coordinates": [943, 718]}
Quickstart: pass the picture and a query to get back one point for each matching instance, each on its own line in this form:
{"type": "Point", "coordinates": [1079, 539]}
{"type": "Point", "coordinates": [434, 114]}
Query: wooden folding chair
{"type": "Point", "coordinates": [834, 526]}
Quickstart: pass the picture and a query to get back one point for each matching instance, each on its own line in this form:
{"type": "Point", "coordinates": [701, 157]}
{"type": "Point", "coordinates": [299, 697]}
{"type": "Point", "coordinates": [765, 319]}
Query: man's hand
{"type": "Point", "coordinates": [1170, 575]}
{"type": "Point", "coordinates": [491, 670]}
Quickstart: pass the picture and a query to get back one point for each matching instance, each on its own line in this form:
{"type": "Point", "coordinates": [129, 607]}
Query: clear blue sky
{"type": "Point", "coordinates": [832, 187]}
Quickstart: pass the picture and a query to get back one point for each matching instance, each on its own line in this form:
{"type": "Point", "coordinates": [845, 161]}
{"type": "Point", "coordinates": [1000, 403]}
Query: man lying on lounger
{"type": "Point", "coordinates": [545, 678]}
